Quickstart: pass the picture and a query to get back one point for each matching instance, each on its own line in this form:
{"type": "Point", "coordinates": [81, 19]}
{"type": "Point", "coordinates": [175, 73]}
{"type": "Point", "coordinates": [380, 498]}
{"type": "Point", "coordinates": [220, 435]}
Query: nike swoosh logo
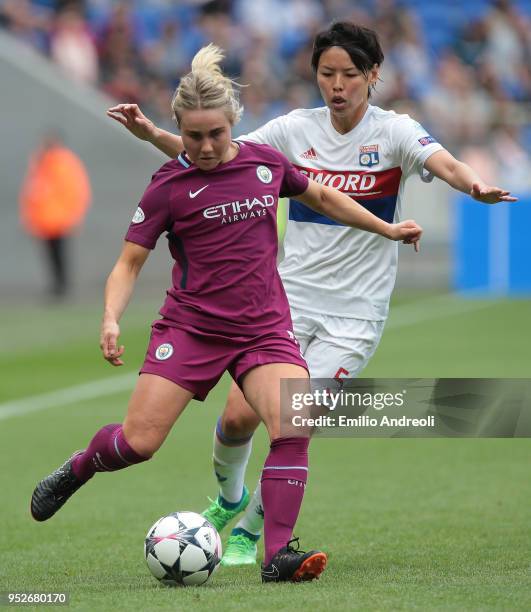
{"type": "Point", "coordinates": [193, 194]}
{"type": "Point", "coordinates": [274, 573]}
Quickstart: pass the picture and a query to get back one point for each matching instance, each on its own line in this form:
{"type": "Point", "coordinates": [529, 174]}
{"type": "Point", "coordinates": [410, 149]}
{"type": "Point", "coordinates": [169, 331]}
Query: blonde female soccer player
{"type": "Point", "coordinates": [368, 153]}
{"type": "Point", "coordinates": [226, 309]}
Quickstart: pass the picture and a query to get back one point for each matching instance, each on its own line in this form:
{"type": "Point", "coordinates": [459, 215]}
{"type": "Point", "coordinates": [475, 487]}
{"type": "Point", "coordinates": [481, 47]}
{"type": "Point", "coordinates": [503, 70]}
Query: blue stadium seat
{"type": "Point", "coordinates": [148, 22]}
{"type": "Point", "coordinates": [524, 6]}
{"type": "Point", "coordinates": [97, 17]}
{"type": "Point", "coordinates": [291, 41]}
{"type": "Point", "coordinates": [440, 22]}
{"type": "Point", "coordinates": [44, 3]}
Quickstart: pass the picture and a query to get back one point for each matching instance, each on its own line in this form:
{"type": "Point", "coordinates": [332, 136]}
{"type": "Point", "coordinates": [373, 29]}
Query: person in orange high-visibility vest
{"type": "Point", "coordinates": [54, 199]}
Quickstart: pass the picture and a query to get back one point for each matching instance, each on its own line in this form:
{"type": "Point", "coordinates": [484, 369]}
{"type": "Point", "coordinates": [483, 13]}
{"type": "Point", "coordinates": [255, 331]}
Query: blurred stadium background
{"type": "Point", "coordinates": [462, 69]}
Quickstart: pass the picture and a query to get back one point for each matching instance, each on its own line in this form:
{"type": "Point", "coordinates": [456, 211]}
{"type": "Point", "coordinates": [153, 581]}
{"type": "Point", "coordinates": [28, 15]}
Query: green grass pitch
{"type": "Point", "coordinates": [427, 524]}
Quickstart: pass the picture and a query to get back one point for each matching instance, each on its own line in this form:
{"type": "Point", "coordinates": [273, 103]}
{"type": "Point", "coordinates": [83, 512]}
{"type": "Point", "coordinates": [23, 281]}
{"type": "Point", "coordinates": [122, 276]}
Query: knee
{"type": "Point", "coordinates": [142, 446]}
{"type": "Point", "coordinates": [239, 424]}
{"type": "Point", "coordinates": [145, 442]}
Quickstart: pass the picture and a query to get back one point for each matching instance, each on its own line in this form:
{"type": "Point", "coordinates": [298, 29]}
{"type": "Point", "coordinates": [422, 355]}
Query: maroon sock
{"type": "Point", "coordinates": [108, 451]}
{"type": "Point", "coordinates": [283, 483]}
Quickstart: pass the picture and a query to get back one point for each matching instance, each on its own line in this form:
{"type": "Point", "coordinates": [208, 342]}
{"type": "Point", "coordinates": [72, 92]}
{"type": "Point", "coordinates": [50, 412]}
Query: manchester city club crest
{"type": "Point", "coordinates": [164, 351]}
{"type": "Point", "coordinates": [369, 156]}
{"type": "Point", "coordinates": [264, 174]}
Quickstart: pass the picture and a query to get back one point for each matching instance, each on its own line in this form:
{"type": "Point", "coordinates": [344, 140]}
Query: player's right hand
{"type": "Point", "coordinates": [130, 116]}
{"type": "Point", "coordinates": [110, 332]}
{"type": "Point", "coordinates": [409, 232]}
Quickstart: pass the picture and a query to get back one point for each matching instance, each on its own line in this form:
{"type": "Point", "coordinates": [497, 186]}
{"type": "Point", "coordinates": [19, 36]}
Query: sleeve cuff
{"type": "Point", "coordinates": [140, 240]}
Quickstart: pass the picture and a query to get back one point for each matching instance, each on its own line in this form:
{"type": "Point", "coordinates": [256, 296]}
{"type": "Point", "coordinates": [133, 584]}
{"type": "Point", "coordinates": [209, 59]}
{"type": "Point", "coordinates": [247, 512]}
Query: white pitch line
{"type": "Point", "coordinates": [429, 309]}
{"type": "Point", "coordinates": [62, 397]}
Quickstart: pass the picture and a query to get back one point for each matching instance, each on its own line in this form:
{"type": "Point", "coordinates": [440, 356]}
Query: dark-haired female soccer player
{"type": "Point", "coordinates": [226, 310]}
{"type": "Point", "coordinates": [368, 153]}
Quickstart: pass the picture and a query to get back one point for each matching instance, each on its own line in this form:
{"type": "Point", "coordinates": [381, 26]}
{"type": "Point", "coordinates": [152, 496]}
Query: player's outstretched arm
{"type": "Point", "coordinates": [460, 176]}
{"type": "Point", "coordinates": [131, 117]}
{"type": "Point", "coordinates": [118, 291]}
{"type": "Point", "coordinates": [342, 208]}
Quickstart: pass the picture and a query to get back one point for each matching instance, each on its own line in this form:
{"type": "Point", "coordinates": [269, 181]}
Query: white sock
{"type": "Point", "coordinates": [253, 517]}
{"type": "Point", "coordinates": [230, 463]}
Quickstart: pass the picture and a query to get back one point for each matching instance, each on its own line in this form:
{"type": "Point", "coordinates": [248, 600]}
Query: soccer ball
{"type": "Point", "coordinates": [182, 548]}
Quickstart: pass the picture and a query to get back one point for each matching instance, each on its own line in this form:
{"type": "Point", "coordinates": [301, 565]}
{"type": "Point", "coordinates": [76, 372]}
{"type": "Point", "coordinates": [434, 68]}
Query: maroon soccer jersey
{"type": "Point", "coordinates": [222, 233]}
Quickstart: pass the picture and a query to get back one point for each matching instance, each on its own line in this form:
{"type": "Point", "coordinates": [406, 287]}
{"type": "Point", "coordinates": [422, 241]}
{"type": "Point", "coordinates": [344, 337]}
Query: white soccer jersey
{"type": "Point", "coordinates": [328, 267]}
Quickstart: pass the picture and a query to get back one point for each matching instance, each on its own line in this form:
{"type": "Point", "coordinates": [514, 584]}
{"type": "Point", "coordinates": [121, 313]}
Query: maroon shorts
{"type": "Point", "coordinates": [197, 360]}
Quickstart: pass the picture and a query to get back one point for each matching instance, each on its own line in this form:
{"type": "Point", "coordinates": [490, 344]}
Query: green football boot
{"type": "Point", "coordinates": [219, 515]}
{"type": "Point", "coordinates": [240, 549]}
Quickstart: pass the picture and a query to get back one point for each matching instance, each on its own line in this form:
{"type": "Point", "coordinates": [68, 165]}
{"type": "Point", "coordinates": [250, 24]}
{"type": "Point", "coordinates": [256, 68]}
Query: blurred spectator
{"type": "Point", "coordinates": [512, 160]}
{"type": "Point", "coordinates": [261, 17]}
{"type": "Point", "coordinates": [507, 45]}
{"type": "Point", "coordinates": [255, 104]}
{"type": "Point", "coordinates": [263, 68]}
{"type": "Point", "coordinates": [29, 23]}
{"type": "Point", "coordinates": [166, 57]}
{"type": "Point", "coordinates": [54, 199]}
{"type": "Point", "coordinates": [221, 30]}
{"type": "Point", "coordinates": [471, 43]}
{"type": "Point", "coordinates": [156, 96]}
{"type": "Point", "coordinates": [301, 67]}
{"type": "Point", "coordinates": [73, 48]}
{"type": "Point", "coordinates": [455, 68]}
{"type": "Point", "coordinates": [117, 42]}
{"type": "Point", "coordinates": [124, 84]}
{"type": "Point", "coordinates": [410, 58]}
{"type": "Point", "coordinates": [504, 159]}
{"type": "Point", "coordinates": [461, 111]}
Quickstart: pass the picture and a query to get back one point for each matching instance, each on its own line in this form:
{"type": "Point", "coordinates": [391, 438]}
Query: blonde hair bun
{"type": "Point", "coordinates": [206, 87]}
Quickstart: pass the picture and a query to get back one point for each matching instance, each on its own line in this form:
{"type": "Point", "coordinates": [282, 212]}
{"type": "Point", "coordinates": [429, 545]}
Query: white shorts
{"type": "Point", "coordinates": [335, 347]}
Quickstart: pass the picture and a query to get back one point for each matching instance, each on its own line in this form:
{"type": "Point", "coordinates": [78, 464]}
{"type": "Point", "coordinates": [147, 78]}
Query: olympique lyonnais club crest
{"type": "Point", "coordinates": [369, 156]}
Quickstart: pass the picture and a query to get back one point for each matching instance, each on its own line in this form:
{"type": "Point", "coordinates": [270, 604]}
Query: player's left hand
{"type": "Point", "coordinates": [408, 232]}
{"type": "Point", "coordinates": [490, 195]}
